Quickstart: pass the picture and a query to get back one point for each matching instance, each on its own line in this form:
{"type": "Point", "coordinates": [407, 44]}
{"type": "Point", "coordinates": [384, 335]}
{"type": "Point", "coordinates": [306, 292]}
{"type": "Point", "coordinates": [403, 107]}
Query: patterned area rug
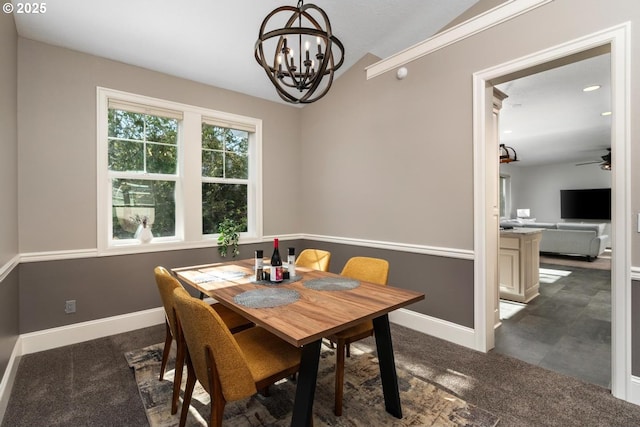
{"type": "Point", "coordinates": [423, 404]}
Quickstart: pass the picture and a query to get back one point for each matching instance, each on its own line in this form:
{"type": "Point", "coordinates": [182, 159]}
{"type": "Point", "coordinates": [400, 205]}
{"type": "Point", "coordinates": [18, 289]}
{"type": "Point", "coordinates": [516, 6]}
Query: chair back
{"type": "Point", "coordinates": [315, 259]}
{"type": "Point", "coordinates": [373, 270]}
{"type": "Point", "coordinates": [166, 285]}
{"type": "Point", "coordinates": [206, 333]}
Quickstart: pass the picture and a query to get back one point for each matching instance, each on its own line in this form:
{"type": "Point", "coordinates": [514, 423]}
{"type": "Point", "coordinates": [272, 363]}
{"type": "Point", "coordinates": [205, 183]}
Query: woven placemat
{"type": "Point", "coordinates": [331, 284]}
{"type": "Point", "coordinates": [268, 297]}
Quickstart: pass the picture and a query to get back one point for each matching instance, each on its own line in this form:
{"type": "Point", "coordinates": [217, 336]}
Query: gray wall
{"type": "Point", "coordinates": [8, 187]}
{"type": "Point", "coordinates": [103, 287]}
{"type": "Point", "coordinates": [115, 285]}
{"type": "Point", "coordinates": [381, 160]}
{"type": "Point", "coordinates": [398, 163]}
{"type": "Point", "coordinates": [439, 277]}
{"type": "Point", "coordinates": [538, 187]}
{"type": "Point", "coordinates": [57, 135]}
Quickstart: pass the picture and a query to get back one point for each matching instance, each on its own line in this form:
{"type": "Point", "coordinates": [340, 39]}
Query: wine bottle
{"type": "Point", "coordinates": [276, 264]}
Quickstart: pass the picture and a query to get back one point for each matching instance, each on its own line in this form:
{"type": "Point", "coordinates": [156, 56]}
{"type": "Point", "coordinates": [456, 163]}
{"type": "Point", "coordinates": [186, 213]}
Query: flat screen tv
{"type": "Point", "coordinates": [594, 203]}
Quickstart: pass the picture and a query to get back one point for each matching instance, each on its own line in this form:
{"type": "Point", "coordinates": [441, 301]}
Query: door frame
{"type": "Point", "coordinates": [618, 38]}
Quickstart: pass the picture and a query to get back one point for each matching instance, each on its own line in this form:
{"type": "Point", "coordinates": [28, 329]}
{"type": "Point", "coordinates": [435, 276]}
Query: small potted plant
{"type": "Point", "coordinates": [228, 238]}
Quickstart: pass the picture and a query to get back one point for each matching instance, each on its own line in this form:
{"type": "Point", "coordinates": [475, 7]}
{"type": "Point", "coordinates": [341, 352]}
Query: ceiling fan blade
{"type": "Point", "coordinates": [588, 163]}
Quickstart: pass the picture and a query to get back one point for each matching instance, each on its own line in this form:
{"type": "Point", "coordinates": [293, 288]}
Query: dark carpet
{"type": "Point", "coordinates": [90, 384]}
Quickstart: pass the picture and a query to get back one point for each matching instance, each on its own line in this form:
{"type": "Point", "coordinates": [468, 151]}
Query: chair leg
{"type": "Point", "coordinates": [348, 350]}
{"type": "Point", "coordinates": [217, 411]}
{"type": "Point", "coordinates": [177, 379]}
{"type": "Point", "coordinates": [217, 399]}
{"type": "Point", "coordinates": [340, 350]}
{"type": "Point", "coordinates": [188, 391]}
{"type": "Point", "coordinates": [167, 347]}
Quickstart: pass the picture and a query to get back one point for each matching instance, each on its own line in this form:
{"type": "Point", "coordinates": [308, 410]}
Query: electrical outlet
{"type": "Point", "coordinates": [70, 306]}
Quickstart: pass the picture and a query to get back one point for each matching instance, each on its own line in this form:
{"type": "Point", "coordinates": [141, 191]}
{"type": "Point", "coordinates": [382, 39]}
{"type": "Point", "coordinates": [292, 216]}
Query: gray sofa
{"type": "Point", "coordinates": [568, 238]}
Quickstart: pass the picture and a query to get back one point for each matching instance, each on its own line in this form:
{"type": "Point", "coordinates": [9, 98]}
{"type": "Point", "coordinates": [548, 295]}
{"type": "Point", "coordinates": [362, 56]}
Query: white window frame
{"type": "Point", "coordinates": [506, 195]}
{"type": "Point", "coordinates": [188, 178]}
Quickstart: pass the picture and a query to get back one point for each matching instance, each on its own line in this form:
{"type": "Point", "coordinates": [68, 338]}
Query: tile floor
{"type": "Point", "coordinates": [567, 328]}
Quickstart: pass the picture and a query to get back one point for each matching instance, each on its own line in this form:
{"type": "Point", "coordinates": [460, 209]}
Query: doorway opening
{"type": "Point", "coordinates": [558, 316]}
{"type": "Point", "coordinates": [486, 204]}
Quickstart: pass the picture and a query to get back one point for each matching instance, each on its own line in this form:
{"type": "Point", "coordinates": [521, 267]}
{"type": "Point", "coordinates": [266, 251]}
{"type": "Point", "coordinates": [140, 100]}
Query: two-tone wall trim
{"type": "Point", "coordinates": [379, 244]}
{"type": "Point", "coordinates": [72, 334]}
{"type": "Point", "coordinates": [8, 267]}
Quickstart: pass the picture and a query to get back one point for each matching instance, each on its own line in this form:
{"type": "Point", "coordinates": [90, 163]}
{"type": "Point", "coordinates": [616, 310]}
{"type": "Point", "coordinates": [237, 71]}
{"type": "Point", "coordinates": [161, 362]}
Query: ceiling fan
{"type": "Point", "coordinates": [605, 163]}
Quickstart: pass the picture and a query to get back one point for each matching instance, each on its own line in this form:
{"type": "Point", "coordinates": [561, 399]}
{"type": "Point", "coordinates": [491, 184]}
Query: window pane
{"type": "Point", "coordinates": [212, 137]}
{"type": "Point", "coordinates": [134, 199]}
{"type": "Point", "coordinates": [160, 129]}
{"type": "Point", "coordinates": [126, 125]}
{"type": "Point", "coordinates": [142, 143]}
{"type": "Point", "coordinates": [236, 166]}
{"type": "Point", "coordinates": [503, 196]}
{"type": "Point", "coordinates": [220, 201]}
{"type": "Point", "coordinates": [162, 158]}
{"type": "Point", "coordinates": [230, 159]}
{"type": "Point", "coordinates": [126, 155]}
{"type": "Point", "coordinates": [237, 141]}
{"type": "Point", "coordinates": [212, 164]}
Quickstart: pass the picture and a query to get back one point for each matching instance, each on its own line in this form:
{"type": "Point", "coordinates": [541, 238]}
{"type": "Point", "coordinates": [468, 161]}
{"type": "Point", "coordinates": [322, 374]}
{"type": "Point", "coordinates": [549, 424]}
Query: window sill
{"type": "Point", "coordinates": [164, 244]}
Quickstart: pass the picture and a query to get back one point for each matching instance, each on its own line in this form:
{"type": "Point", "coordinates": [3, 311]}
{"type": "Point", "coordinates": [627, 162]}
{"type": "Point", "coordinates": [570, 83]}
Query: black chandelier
{"type": "Point", "coordinates": [299, 77]}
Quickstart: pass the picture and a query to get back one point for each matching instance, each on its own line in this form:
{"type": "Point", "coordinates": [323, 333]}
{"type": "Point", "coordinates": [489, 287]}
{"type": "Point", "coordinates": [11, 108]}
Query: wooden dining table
{"type": "Point", "coordinates": [304, 322]}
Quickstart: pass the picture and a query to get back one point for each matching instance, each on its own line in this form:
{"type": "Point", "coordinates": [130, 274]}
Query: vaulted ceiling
{"type": "Point", "coordinates": [212, 42]}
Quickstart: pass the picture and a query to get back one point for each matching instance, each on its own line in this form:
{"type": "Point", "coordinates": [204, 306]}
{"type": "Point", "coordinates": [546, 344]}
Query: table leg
{"type": "Point", "coordinates": [387, 363]}
{"type": "Point", "coordinates": [306, 388]}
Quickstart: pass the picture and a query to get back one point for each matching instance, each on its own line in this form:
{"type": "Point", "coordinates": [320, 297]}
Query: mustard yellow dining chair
{"type": "Point", "coordinates": [372, 270]}
{"type": "Point", "coordinates": [166, 284]}
{"type": "Point", "coordinates": [316, 259]}
{"type": "Point", "coordinates": [229, 367]}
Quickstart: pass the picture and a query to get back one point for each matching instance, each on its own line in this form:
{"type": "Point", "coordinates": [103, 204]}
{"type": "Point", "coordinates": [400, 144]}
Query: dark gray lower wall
{"type": "Point", "coordinates": [9, 329]}
{"type": "Point", "coordinates": [446, 282]}
{"type": "Point", "coordinates": [110, 286]}
{"type": "Point", "coordinates": [635, 328]}
{"type": "Point", "coordinates": [102, 287]}
{"type": "Point", "coordinates": [114, 285]}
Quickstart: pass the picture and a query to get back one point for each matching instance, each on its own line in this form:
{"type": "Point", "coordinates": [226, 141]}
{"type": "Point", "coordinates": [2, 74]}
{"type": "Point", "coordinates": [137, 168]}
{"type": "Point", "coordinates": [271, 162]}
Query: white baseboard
{"type": "Point", "coordinates": [85, 331]}
{"type": "Point", "coordinates": [72, 334]}
{"type": "Point", "coordinates": [634, 392]}
{"type": "Point", "coordinates": [438, 328]}
{"type": "Point", "coordinates": [9, 377]}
